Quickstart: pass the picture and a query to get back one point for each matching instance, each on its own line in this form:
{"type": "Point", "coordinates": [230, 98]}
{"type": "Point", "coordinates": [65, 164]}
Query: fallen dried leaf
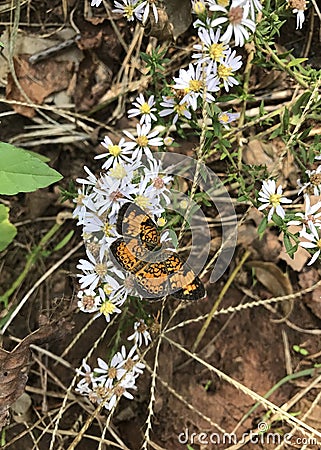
{"type": "Point", "coordinates": [271, 277]}
{"type": "Point", "coordinates": [37, 81]}
{"type": "Point", "coordinates": [14, 365]}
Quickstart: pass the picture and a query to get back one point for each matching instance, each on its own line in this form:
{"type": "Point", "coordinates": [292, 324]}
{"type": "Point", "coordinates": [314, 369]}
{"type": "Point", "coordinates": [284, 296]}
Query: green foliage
{"type": "Point", "coordinates": [7, 230]}
{"type": "Point", "coordinates": [22, 172]}
{"type": "Point", "coordinates": [156, 63]}
{"type": "Point", "coordinates": [300, 350]}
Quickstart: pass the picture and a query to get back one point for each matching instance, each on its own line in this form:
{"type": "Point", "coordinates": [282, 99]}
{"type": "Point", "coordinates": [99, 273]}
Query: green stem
{"type": "Point", "coordinates": [293, 376]}
{"type": "Point", "coordinates": [31, 259]}
{"type": "Point", "coordinates": [269, 51]}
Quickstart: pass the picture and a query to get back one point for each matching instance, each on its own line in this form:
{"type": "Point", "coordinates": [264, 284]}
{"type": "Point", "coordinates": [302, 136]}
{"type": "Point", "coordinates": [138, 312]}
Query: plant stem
{"type": "Point", "coordinates": [31, 259]}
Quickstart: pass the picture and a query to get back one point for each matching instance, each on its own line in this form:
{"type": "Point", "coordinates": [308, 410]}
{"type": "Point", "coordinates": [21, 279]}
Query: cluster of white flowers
{"type": "Point", "coordinates": [219, 23]}
{"type": "Point", "coordinates": [124, 178]}
{"type": "Point", "coordinates": [271, 198]}
{"type": "Point", "coordinates": [133, 9]}
{"type": "Point", "coordinates": [109, 382]}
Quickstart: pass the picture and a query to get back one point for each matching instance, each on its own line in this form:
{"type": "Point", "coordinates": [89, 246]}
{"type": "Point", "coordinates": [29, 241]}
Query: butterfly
{"type": "Point", "coordinates": [157, 272]}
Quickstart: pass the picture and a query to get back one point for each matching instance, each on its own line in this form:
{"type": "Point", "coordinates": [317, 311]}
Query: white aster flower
{"type": "Point", "coordinates": [239, 24]}
{"type": "Point", "coordinates": [127, 382]}
{"type": "Point", "coordinates": [173, 105]}
{"type": "Point", "coordinates": [158, 182]}
{"type": "Point", "coordinates": [129, 9]}
{"type": "Point", "coordinates": [83, 388]}
{"type": "Point", "coordinates": [93, 272]}
{"type": "Point", "coordinates": [313, 242]}
{"type": "Point", "coordinates": [88, 301]}
{"type": "Point", "coordinates": [96, 271]}
{"type": "Point", "coordinates": [225, 118]}
{"type": "Point", "coordinates": [310, 215]}
{"type": "Point", "coordinates": [144, 108]}
{"type": "Point", "coordinates": [227, 66]}
{"type": "Point", "coordinates": [313, 185]}
{"type": "Point", "coordinates": [271, 197]}
{"type": "Point", "coordinates": [84, 201]}
{"type": "Point", "coordinates": [107, 305]}
{"type": "Point", "coordinates": [193, 81]}
{"type": "Point", "coordinates": [109, 373]}
{"type": "Point", "coordinates": [140, 334]}
{"type": "Point", "coordinates": [145, 139]}
{"type": "Point", "coordinates": [86, 371]}
{"type": "Point", "coordinates": [145, 9]}
{"type": "Point", "coordinates": [91, 179]}
{"type": "Point", "coordinates": [116, 153]}
{"type": "Point", "coordinates": [300, 18]}
{"type": "Point", "coordinates": [211, 50]}
{"type": "Point", "coordinates": [131, 362]}
{"type": "Point", "coordinates": [95, 2]}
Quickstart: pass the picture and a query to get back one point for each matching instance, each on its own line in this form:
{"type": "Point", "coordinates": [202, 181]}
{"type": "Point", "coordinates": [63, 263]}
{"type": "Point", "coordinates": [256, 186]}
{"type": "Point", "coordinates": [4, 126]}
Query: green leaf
{"type": "Point", "coordinates": [296, 62]}
{"type": "Point", "coordinates": [64, 241]}
{"type": "Point", "coordinates": [7, 230]}
{"type": "Point", "coordinates": [263, 225]}
{"type": "Point", "coordinates": [42, 158]}
{"type": "Point", "coordinates": [173, 237]}
{"type": "Point", "coordinates": [22, 172]}
{"type": "Point", "coordinates": [277, 220]}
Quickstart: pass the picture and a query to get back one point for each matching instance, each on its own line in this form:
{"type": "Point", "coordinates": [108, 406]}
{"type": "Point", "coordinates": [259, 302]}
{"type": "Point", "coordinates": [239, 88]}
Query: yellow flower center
{"type": "Point", "coordinates": [79, 199]}
{"type": "Point", "coordinates": [142, 201]}
{"type": "Point", "coordinates": [216, 51]}
{"type": "Point", "coordinates": [180, 108]}
{"type": "Point", "coordinates": [224, 71]}
{"type": "Point", "coordinates": [145, 108]}
{"type": "Point", "coordinates": [142, 141]}
{"type": "Point", "coordinates": [114, 150]}
{"type": "Point", "coordinates": [275, 199]}
{"type": "Point", "coordinates": [161, 221]}
{"type": "Point", "coordinates": [101, 269]}
{"type": "Point", "coordinates": [195, 85]}
{"type": "Point", "coordinates": [297, 4]}
{"type": "Point", "coordinates": [223, 3]}
{"type": "Point", "coordinates": [315, 179]}
{"type": "Point", "coordinates": [107, 229]}
{"type": "Point", "coordinates": [108, 289]}
{"type": "Point", "coordinates": [128, 11]}
{"type": "Point", "coordinates": [224, 117]}
{"type": "Point", "coordinates": [107, 308]}
{"type": "Point", "coordinates": [198, 8]}
{"type": "Point", "coordinates": [183, 204]}
{"type": "Point", "coordinates": [319, 244]}
{"type": "Point", "coordinates": [118, 172]}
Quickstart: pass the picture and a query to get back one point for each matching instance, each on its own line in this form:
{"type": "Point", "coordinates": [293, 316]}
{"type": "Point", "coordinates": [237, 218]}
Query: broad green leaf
{"type": "Point", "coordinates": [22, 172]}
{"type": "Point", "coordinates": [7, 230]}
{"type": "Point", "coordinates": [42, 158]}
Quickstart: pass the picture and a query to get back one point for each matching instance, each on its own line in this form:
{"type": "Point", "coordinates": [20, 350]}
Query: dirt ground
{"type": "Point", "coordinates": [253, 345]}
